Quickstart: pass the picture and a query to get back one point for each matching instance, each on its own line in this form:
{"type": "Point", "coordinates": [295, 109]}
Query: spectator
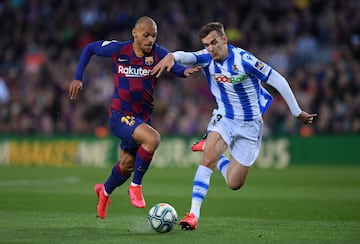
{"type": "Point", "coordinates": [43, 36]}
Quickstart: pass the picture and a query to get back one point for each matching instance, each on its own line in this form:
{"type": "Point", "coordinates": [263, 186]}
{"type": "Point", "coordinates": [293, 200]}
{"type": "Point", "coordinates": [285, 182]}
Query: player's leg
{"type": "Point", "coordinates": [233, 172]}
{"type": "Point", "coordinates": [215, 146]}
{"type": "Point", "coordinates": [119, 174]}
{"type": "Point", "coordinates": [122, 126]}
{"type": "Point", "coordinates": [148, 139]}
{"type": "Point", "coordinates": [244, 151]}
{"type": "Point", "coordinates": [236, 175]}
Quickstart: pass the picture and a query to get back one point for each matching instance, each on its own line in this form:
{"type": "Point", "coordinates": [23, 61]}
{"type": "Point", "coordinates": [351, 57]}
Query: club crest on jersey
{"type": "Point", "coordinates": [235, 68]}
{"type": "Point", "coordinates": [149, 60]}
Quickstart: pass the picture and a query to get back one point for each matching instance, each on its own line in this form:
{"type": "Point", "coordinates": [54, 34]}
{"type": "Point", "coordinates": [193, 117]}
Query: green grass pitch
{"type": "Point", "coordinates": [300, 204]}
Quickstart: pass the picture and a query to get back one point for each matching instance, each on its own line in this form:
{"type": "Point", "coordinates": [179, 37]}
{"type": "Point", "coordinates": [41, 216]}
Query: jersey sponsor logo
{"type": "Point", "coordinates": [130, 71]}
{"type": "Point", "coordinates": [232, 79]}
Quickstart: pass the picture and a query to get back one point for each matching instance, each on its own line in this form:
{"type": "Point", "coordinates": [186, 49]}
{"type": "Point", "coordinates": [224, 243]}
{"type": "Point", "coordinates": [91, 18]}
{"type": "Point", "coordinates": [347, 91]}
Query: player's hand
{"type": "Point", "coordinates": [74, 88]}
{"type": "Point", "coordinates": [165, 64]}
{"type": "Point", "coordinates": [306, 118]}
{"type": "Point", "coordinates": [190, 71]}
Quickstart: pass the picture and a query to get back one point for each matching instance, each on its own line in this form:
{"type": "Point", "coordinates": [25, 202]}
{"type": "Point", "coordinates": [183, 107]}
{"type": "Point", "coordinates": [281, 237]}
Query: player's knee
{"type": "Point", "coordinates": [156, 140]}
{"type": "Point", "coordinates": [235, 185]}
{"type": "Point", "coordinates": [152, 142]}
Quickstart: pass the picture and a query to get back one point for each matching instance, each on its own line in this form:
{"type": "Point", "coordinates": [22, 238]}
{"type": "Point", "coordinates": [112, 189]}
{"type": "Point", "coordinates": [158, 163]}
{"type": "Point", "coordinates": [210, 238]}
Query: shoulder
{"type": "Point", "coordinates": [114, 44]}
{"type": "Point", "coordinates": [250, 59]}
{"type": "Point", "coordinates": [247, 56]}
{"type": "Point", "coordinates": [160, 49]}
{"type": "Point", "coordinates": [253, 65]}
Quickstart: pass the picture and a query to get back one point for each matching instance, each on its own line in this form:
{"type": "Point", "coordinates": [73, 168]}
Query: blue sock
{"type": "Point", "coordinates": [117, 178]}
{"type": "Point", "coordinates": [142, 163]}
{"type": "Point", "coordinates": [222, 165]}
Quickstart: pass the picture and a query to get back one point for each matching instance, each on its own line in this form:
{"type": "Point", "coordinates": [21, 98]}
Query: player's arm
{"type": "Point", "coordinates": [265, 73]}
{"type": "Point", "coordinates": [100, 48]}
{"type": "Point", "coordinates": [188, 58]}
{"type": "Point", "coordinates": [280, 83]}
{"type": "Point", "coordinates": [172, 61]}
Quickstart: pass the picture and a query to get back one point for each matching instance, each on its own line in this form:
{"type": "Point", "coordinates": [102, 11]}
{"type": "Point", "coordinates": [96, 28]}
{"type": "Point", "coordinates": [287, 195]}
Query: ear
{"type": "Point", "coordinates": [133, 32]}
{"type": "Point", "coordinates": [226, 40]}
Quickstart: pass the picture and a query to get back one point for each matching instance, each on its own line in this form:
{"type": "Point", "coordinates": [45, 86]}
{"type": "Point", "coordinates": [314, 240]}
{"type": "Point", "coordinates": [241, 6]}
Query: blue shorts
{"type": "Point", "coordinates": [123, 126]}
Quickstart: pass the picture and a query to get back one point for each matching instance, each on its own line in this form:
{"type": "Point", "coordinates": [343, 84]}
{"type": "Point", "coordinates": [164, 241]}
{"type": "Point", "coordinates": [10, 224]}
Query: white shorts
{"type": "Point", "coordinates": [242, 137]}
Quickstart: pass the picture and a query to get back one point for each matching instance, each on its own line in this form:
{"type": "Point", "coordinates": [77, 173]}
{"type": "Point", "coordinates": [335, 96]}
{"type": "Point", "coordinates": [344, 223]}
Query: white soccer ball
{"type": "Point", "coordinates": [162, 217]}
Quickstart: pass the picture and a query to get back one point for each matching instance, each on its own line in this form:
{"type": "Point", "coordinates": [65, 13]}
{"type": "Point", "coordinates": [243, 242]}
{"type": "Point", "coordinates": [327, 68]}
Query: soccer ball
{"type": "Point", "coordinates": [162, 217]}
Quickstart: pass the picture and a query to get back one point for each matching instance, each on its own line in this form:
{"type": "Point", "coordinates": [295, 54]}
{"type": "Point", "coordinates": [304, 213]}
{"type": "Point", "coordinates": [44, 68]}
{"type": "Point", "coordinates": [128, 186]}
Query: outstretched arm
{"type": "Point", "coordinates": [279, 82]}
{"type": "Point", "coordinates": [101, 48]}
{"type": "Point", "coordinates": [169, 61]}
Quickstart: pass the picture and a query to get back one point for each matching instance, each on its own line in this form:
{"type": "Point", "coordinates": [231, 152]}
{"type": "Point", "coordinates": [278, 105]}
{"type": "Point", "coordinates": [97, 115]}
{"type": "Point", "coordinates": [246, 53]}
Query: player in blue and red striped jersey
{"type": "Point", "coordinates": [131, 107]}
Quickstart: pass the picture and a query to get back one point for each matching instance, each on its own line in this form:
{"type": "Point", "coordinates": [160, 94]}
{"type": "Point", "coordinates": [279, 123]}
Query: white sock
{"type": "Point", "coordinates": [200, 188]}
{"type": "Point", "coordinates": [222, 165]}
{"type": "Point", "coordinates": [134, 184]}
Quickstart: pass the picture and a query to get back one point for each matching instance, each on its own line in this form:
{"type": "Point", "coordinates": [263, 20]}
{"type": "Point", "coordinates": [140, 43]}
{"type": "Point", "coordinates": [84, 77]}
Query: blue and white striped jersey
{"type": "Point", "coordinates": [236, 83]}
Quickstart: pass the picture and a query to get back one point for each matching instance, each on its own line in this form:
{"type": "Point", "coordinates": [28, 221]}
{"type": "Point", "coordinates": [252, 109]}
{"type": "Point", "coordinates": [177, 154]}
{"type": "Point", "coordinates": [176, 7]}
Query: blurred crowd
{"type": "Point", "coordinates": [315, 44]}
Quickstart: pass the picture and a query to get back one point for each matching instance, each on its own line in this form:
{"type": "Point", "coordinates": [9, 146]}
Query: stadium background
{"type": "Point", "coordinates": [314, 44]}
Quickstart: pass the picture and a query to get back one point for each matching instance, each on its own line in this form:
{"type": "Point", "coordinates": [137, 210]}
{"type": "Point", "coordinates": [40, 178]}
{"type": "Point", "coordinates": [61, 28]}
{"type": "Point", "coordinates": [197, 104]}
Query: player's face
{"type": "Point", "coordinates": [216, 45]}
{"type": "Point", "coordinates": [144, 38]}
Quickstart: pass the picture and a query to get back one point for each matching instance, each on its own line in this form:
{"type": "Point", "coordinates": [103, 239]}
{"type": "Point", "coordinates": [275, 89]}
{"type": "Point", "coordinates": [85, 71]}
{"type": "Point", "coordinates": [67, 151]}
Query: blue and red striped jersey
{"type": "Point", "coordinates": [133, 84]}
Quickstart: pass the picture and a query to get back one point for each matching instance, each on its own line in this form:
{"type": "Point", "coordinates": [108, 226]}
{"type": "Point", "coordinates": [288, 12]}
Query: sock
{"type": "Point", "coordinates": [222, 165]}
{"type": "Point", "coordinates": [200, 189]}
{"type": "Point", "coordinates": [142, 163]}
{"type": "Point", "coordinates": [117, 178]}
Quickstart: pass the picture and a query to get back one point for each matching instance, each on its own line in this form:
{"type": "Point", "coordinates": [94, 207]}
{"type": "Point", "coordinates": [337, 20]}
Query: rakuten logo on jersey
{"type": "Point", "coordinates": [232, 79]}
{"type": "Point", "coordinates": [130, 71]}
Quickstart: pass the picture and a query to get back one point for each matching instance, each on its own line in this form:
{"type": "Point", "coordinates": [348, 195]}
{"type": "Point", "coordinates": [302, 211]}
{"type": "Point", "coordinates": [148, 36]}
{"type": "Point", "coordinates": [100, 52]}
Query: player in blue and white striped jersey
{"type": "Point", "coordinates": [234, 77]}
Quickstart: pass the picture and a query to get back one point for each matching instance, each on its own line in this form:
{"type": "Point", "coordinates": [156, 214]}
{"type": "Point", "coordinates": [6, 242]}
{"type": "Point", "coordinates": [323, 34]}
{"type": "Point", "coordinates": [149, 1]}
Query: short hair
{"type": "Point", "coordinates": [145, 19]}
{"type": "Point", "coordinates": [212, 26]}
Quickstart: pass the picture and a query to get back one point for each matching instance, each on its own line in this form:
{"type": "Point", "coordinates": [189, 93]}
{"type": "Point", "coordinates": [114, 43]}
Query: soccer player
{"type": "Point", "coordinates": [131, 106]}
{"type": "Point", "coordinates": [234, 76]}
